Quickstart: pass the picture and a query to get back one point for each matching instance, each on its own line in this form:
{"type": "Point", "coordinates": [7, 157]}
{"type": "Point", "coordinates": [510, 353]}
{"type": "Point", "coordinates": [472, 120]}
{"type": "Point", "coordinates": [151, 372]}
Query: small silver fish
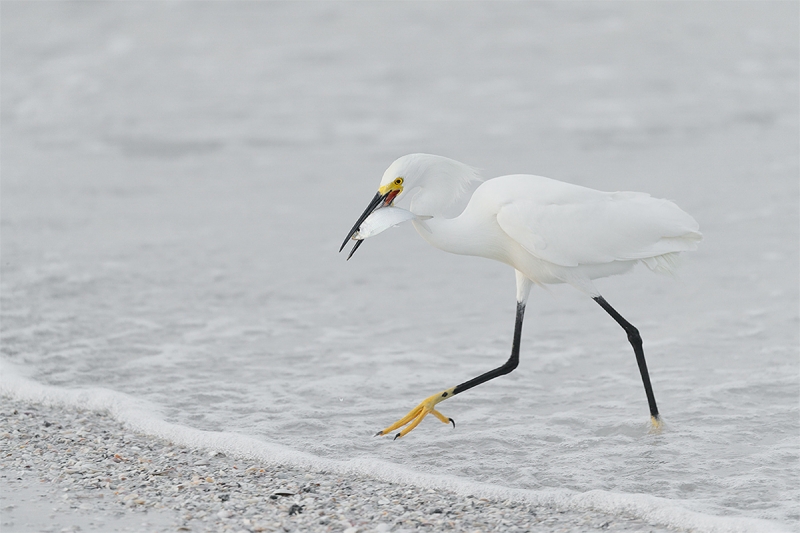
{"type": "Point", "coordinates": [382, 219]}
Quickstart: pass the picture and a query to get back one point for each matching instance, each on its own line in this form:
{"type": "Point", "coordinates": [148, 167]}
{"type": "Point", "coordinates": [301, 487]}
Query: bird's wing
{"type": "Point", "coordinates": [598, 228]}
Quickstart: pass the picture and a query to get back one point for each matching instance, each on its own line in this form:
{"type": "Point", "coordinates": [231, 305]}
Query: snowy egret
{"type": "Point", "coordinates": [548, 230]}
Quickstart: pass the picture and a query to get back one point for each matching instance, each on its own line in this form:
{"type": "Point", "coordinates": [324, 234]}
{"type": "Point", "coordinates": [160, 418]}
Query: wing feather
{"type": "Point", "coordinates": [583, 226]}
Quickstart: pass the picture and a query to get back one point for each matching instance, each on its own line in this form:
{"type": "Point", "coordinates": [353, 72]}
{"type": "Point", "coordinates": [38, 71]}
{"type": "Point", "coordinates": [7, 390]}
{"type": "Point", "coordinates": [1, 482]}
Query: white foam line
{"type": "Point", "coordinates": [138, 416]}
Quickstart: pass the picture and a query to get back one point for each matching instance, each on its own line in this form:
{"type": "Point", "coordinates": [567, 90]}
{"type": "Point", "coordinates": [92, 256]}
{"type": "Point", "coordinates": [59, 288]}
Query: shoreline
{"type": "Point", "coordinates": [64, 468]}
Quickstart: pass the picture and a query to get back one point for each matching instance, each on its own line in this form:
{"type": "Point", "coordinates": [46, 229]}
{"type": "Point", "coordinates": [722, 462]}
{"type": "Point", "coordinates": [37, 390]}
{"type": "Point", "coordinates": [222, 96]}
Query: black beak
{"type": "Point", "coordinates": [374, 204]}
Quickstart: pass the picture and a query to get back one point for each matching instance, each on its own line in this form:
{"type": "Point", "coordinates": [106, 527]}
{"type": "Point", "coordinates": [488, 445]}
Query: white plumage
{"type": "Point", "coordinates": [551, 231]}
{"type": "Point", "coordinates": [548, 230]}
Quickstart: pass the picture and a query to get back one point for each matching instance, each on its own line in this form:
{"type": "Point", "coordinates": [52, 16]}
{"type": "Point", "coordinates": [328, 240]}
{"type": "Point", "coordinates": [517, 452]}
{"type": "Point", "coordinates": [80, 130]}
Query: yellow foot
{"type": "Point", "coordinates": [415, 416]}
{"type": "Point", "coordinates": [656, 424]}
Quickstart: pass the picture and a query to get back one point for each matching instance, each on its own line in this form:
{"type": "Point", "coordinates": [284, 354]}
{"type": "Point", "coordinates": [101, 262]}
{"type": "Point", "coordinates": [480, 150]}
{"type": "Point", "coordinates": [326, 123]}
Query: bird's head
{"type": "Point", "coordinates": [437, 182]}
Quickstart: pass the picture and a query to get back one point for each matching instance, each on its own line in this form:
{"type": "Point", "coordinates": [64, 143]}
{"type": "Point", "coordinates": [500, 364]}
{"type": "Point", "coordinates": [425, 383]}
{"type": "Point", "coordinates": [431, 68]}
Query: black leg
{"type": "Point", "coordinates": [427, 406]}
{"type": "Point", "coordinates": [509, 365]}
{"type": "Point", "coordinates": [636, 341]}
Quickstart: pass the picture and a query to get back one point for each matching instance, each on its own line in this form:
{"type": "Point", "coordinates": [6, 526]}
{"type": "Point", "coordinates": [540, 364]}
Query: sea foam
{"type": "Point", "coordinates": [142, 416]}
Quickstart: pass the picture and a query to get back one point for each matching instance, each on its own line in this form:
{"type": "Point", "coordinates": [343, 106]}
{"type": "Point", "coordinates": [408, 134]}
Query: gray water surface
{"type": "Point", "coordinates": [177, 178]}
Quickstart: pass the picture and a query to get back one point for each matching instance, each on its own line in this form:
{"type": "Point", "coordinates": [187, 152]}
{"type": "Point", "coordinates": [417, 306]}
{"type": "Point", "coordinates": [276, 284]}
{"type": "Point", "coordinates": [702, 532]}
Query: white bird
{"type": "Point", "coordinates": [547, 230]}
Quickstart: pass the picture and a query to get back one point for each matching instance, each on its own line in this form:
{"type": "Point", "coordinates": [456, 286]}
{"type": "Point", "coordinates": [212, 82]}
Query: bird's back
{"type": "Point", "coordinates": [570, 226]}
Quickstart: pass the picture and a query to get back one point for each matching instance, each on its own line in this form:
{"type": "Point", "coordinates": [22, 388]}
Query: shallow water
{"type": "Point", "coordinates": [177, 178]}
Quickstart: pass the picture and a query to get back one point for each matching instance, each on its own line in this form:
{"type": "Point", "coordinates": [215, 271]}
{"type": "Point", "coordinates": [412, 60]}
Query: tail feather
{"type": "Point", "coordinates": [664, 264]}
{"type": "Point", "coordinates": [668, 263]}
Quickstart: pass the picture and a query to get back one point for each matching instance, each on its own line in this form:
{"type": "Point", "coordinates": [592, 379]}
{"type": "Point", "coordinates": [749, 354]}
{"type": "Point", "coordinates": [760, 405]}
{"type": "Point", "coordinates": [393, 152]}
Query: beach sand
{"type": "Point", "coordinates": [66, 469]}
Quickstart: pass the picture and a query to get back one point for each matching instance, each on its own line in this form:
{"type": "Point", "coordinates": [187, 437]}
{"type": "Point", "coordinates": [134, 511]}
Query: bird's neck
{"type": "Point", "coordinates": [452, 235]}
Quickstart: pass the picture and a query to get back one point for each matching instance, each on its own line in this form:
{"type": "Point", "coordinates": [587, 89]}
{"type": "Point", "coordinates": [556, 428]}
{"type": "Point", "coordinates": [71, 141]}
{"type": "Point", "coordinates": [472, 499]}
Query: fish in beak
{"type": "Point", "coordinates": [376, 203]}
{"type": "Point", "coordinates": [383, 198]}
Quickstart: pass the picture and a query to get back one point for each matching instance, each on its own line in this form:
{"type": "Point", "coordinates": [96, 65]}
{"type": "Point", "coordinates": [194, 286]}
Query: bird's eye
{"type": "Point", "coordinates": [398, 181]}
